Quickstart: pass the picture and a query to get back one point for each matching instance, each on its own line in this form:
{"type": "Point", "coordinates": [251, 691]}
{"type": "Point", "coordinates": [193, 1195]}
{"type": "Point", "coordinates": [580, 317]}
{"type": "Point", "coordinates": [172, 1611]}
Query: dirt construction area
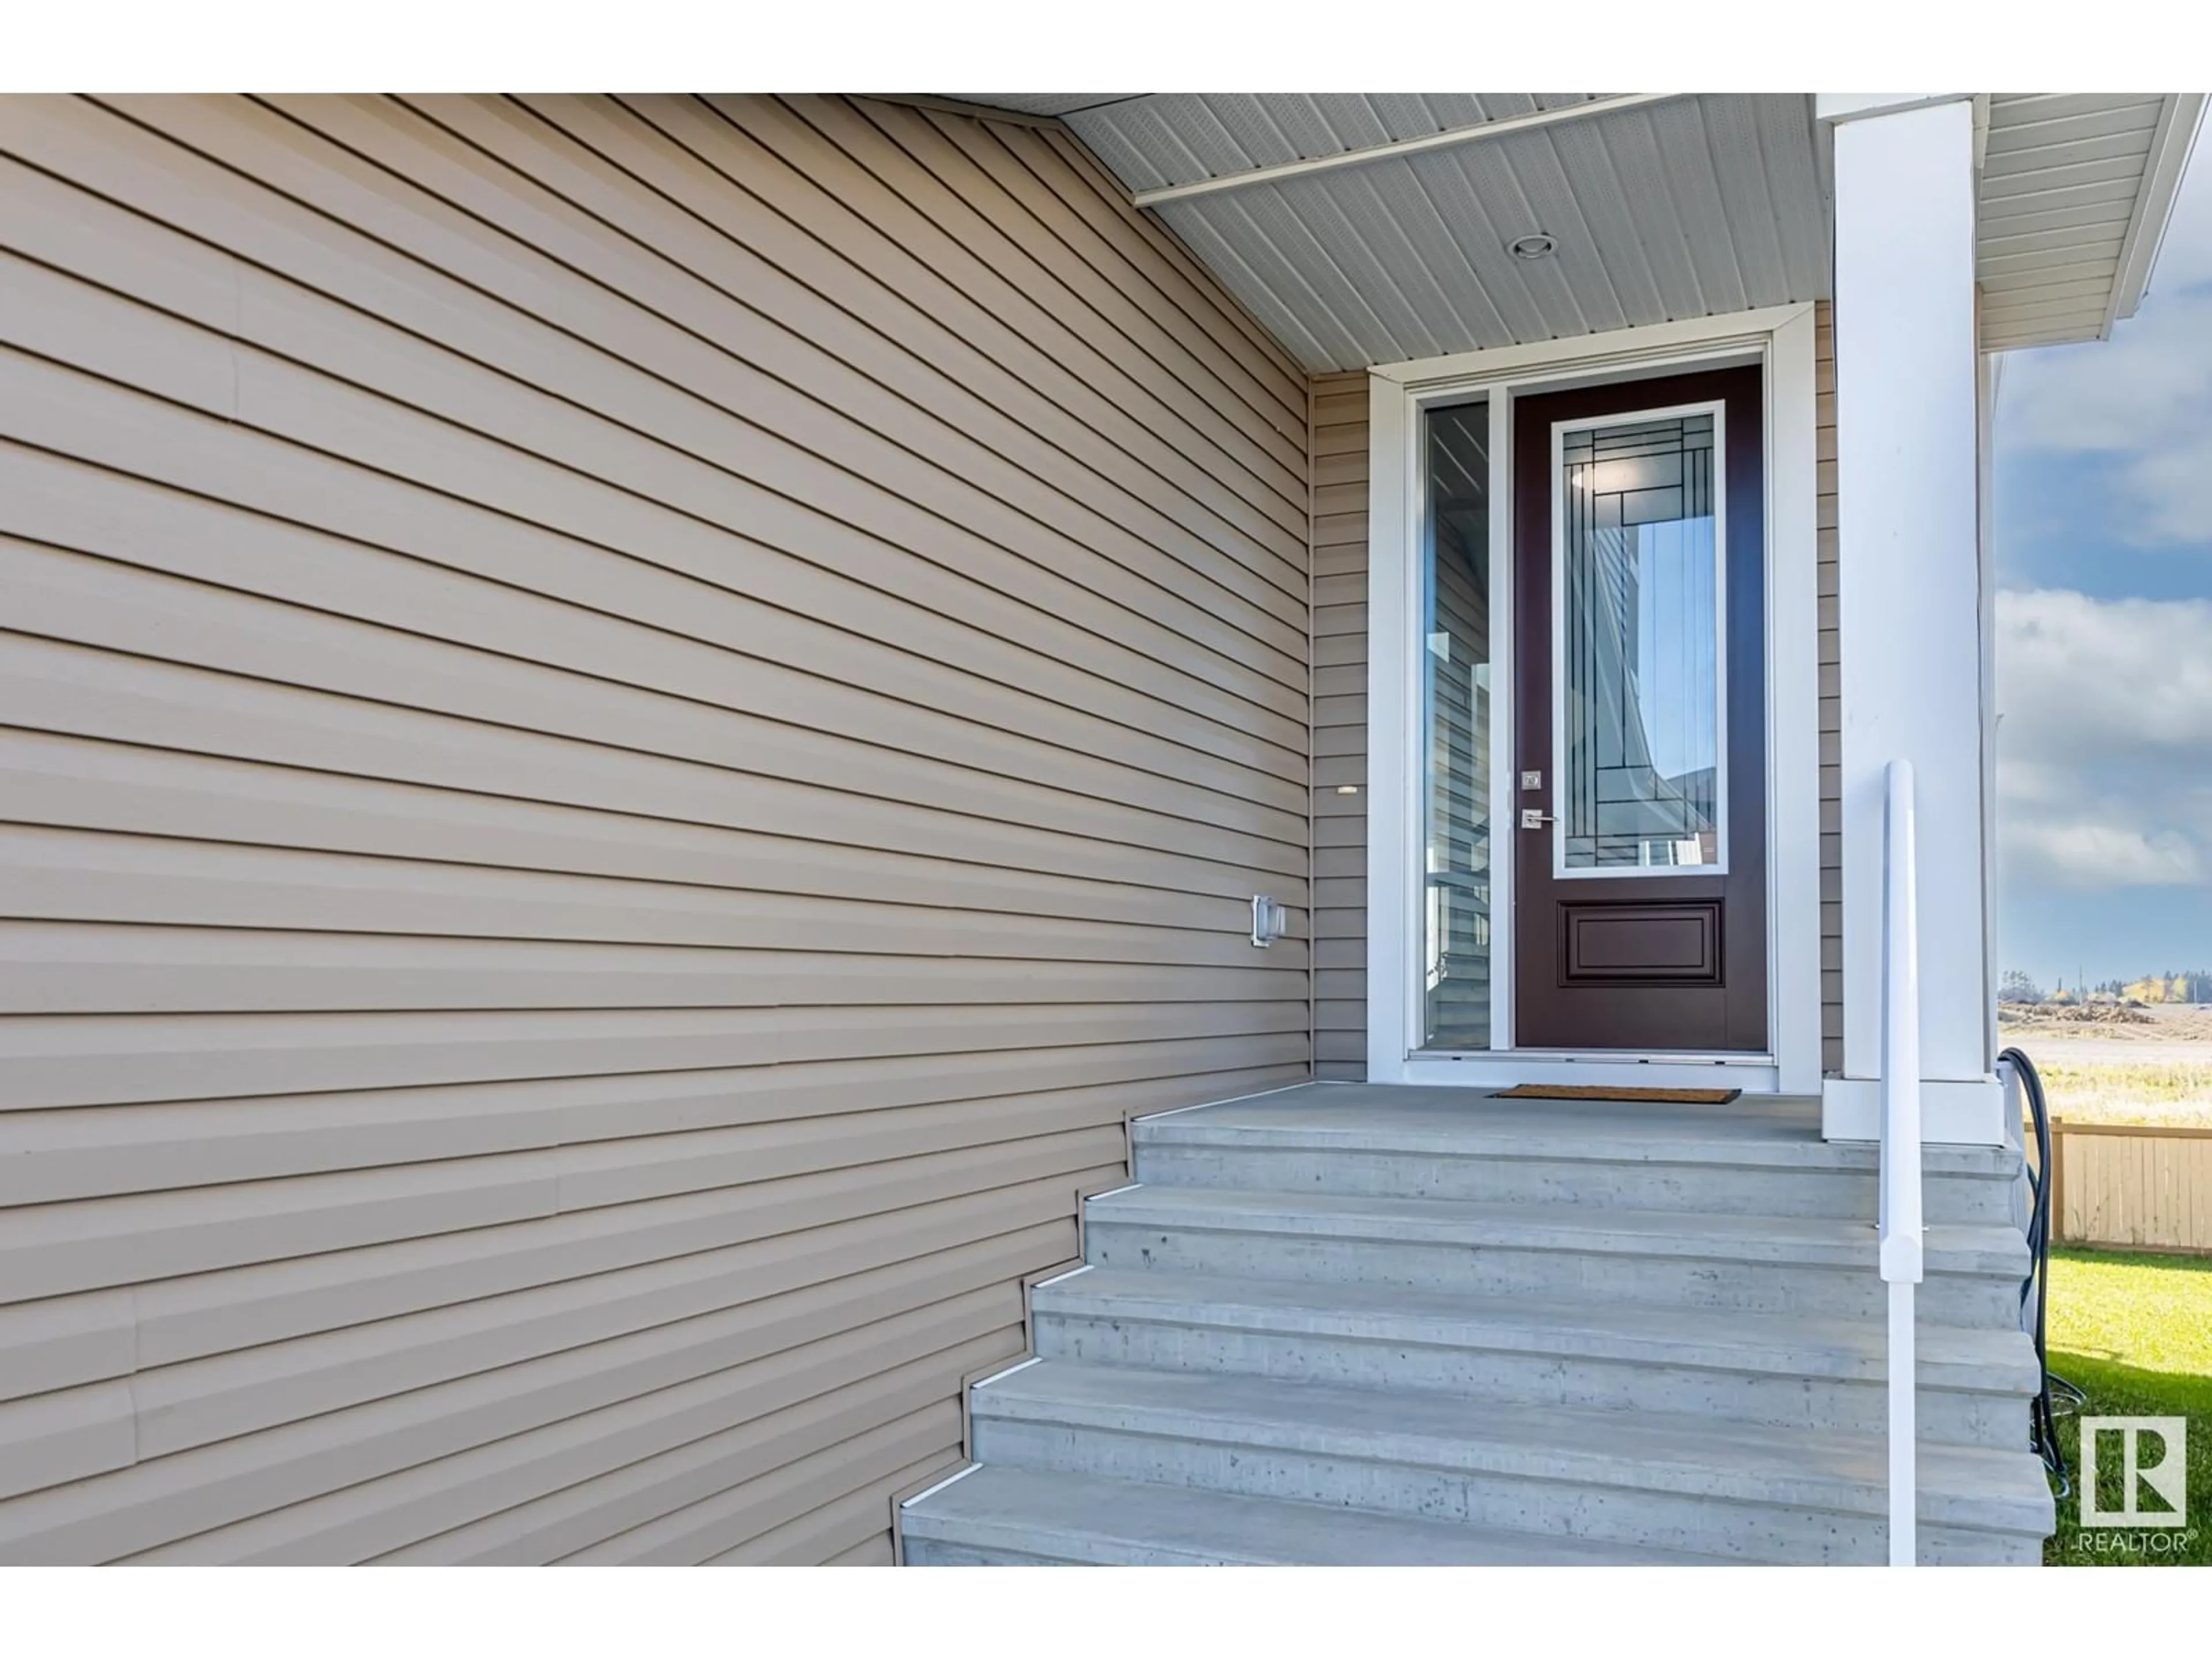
{"type": "Point", "coordinates": [2108, 1062]}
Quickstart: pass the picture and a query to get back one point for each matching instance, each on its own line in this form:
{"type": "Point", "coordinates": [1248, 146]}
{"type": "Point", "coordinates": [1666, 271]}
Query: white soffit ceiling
{"type": "Point", "coordinates": [1692, 206]}
{"type": "Point", "coordinates": [2076, 189]}
{"type": "Point", "coordinates": [1684, 208]}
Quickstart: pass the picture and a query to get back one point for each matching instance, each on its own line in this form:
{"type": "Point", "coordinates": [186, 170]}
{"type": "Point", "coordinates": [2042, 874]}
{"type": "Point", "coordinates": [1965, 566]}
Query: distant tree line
{"type": "Point", "coordinates": [2192, 985]}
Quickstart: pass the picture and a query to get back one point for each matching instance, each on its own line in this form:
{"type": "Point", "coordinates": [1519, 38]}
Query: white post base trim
{"type": "Point", "coordinates": [1953, 1112]}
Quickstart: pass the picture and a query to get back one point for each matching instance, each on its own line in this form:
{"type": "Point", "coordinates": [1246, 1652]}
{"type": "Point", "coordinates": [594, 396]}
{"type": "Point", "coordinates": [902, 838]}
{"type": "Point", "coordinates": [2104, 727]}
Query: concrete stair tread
{"type": "Point", "coordinates": [1778, 1132]}
{"type": "Point", "coordinates": [1960, 1486]}
{"type": "Point", "coordinates": [1999, 1362]}
{"type": "Point", "coordinates": [1992, 1250]}
{"type": "Point", "coordinates": [1081, 1518]}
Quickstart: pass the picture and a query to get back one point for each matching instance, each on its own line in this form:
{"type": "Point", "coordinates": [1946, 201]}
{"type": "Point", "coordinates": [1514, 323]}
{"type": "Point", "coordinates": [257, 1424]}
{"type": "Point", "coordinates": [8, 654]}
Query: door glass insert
{"type": "Point", "coordinates": [1455, 729]}
{"type": "Point", "coordinates": [1636, 685]}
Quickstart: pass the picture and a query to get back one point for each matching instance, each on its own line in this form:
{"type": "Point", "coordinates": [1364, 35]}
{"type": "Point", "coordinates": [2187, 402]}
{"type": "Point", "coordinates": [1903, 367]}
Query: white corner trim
{"type": "Point", "coordinates": [1393, 722]}
{"type": "Point", "coordinates": [2171, 142]}
{"type": "Point", "coordinates": [1782, 337]}
{"type": "Point", "coordinates": [1793, 678]}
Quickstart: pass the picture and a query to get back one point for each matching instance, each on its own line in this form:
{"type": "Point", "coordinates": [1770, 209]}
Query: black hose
{"type": "Point", "coordinates": [2043, 1413]}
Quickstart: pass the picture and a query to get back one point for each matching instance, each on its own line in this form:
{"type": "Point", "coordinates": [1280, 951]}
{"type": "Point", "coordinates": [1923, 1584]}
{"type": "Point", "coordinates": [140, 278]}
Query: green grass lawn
{"type": "Point", "coordinates": [2134, 1332]}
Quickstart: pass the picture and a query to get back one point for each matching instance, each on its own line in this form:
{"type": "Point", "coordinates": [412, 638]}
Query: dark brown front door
{"type": "Point", "coordinates": [1640, 821]}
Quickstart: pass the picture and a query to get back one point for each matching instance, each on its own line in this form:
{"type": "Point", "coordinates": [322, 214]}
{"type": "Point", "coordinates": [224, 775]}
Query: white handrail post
{"type": "Point", "coordinates": [1900, 1176]}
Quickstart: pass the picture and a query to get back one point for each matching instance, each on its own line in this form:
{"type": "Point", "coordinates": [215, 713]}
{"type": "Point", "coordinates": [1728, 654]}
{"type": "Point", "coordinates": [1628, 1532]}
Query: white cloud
{"type": "Point", "coordinates": [2074, 670]}
{"type": "Point", "coordinates": [2115, 394]}
{"type": "Point", "coordinates": [2101, 855]}
{"type": "Point", "coordinates": [2105, 746]}
{"type": "Point", "coordinates": [2144, 398]}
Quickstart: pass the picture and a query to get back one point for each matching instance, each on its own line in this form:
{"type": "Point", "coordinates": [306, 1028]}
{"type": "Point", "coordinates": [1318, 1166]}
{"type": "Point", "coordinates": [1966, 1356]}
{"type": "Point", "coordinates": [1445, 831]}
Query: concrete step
{"type": "Point", "coordinates": [1746, 1158]}
{"type": "Point", "coordinates": [1645, 1479]}
{"type": "Point", "coordinates": [1016, 1517]}
{"type": "Point", "coordinates": [1784, 1370]}
{"type": "Point", "coordinates": [1670, 1258]}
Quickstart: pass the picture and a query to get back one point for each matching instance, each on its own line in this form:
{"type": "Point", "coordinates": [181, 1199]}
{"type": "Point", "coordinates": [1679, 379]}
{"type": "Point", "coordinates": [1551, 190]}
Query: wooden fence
{"type": "Point", "coordinates": [2138, 1187]}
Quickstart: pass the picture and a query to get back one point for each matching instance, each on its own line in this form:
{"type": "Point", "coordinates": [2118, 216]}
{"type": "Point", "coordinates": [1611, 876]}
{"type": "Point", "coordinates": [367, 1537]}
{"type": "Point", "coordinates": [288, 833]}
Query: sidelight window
{"type": "Point", "coordinates": [1456, 728]}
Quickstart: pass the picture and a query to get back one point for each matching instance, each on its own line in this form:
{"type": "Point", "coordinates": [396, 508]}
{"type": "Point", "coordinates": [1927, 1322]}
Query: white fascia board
{"type": "Point", "coordinates": [1834, 107]}
{"type": "Point", "coordinates": [2171, 144]}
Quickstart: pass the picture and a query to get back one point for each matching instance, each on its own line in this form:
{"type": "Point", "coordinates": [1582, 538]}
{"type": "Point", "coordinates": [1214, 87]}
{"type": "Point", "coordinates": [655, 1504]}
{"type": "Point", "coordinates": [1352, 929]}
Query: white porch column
{"type": "Point", "coordinates": [1911, 600]}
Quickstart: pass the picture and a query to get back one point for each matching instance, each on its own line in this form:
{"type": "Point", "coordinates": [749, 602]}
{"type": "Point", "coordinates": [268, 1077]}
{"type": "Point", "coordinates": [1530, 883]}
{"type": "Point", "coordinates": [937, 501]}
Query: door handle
{"type": "Point", "coordinates": [1535, 817]}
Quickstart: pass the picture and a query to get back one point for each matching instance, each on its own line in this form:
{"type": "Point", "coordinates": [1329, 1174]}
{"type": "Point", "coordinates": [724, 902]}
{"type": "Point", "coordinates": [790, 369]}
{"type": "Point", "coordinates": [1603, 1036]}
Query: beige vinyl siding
{"type": "Point", "coordinates": [1340, 718]}
{"type": "Point", "coordinates": [1831, 719]}
{"type": "Point", "coordinates": [632, 728]}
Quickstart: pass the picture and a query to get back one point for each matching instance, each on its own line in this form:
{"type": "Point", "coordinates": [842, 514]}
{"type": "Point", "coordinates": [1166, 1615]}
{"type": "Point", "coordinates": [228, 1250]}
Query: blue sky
{"type": "Point", "coordinates": [2104, 549]}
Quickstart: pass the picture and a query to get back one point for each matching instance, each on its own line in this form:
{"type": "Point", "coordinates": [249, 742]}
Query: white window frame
{"type": "Point", "coordinates": [1781, 339]}
{"type": "Point", "coordinates": [1561, 870]}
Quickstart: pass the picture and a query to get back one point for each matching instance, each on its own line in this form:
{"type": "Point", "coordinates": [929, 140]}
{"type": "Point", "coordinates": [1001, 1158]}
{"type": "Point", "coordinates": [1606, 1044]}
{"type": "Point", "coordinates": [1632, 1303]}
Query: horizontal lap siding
{"type": "Point", "coordinates": [1340, 479]}
{"type": "Point", "coordinates": [1831, 720]}
{"type": "Point", "coordinates": [631, 728]}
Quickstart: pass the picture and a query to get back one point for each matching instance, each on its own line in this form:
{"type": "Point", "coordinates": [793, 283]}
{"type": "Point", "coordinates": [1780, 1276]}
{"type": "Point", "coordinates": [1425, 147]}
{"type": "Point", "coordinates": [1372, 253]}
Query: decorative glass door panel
{"type": "Point", "coordinates": [1637, 680]}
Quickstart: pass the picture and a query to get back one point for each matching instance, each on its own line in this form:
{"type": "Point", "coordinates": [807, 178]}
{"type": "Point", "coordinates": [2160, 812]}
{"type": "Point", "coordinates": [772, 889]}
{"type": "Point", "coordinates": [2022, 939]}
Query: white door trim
{"type": "Point", "coordinates": [1780, 337]}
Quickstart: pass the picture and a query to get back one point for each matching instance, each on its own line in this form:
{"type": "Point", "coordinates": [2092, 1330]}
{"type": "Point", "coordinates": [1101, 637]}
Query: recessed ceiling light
{"type": "Point", "coordinates": [1537, 244]}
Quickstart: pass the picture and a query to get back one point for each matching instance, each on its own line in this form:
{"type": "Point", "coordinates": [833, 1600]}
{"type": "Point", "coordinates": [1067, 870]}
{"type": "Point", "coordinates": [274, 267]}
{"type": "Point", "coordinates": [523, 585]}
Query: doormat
{"type": "Point", "coordinates": [1586, 1091]}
